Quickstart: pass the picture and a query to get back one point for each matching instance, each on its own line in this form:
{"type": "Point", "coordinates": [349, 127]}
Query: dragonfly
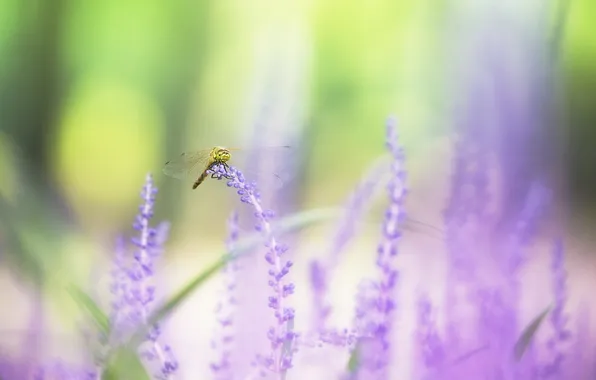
{"type": "Point", "coordinates": [196, 164]}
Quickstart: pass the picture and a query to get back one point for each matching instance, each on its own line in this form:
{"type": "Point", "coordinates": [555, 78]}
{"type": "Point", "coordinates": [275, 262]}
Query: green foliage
{"type": "Point", "coordinates": [86, 303]}
{"type": "Point", "coordinates": [20, 257]}
{"type": "Point", "coordinates": [31, 232]}
{"type": "Point", "coordinates": [354, 360]}
{"type": "Point", "coordinates": [124, 364]}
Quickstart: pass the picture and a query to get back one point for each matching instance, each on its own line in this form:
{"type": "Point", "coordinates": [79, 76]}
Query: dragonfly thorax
{"type": "Point", "coordinates": [220, 154]}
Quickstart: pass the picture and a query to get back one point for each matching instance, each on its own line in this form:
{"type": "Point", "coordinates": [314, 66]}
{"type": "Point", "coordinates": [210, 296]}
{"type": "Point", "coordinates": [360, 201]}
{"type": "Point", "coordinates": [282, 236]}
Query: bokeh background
{"type": "Point", "coordinates": [96, 94]}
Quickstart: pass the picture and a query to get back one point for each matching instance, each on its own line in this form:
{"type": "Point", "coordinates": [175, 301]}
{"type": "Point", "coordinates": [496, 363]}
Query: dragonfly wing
{"type": "Point", "coordinates": [268, 166]}
{"type": "Point", "coordinates": [265, 178]}
{"type": "Point", "coordinates": [187, 165]}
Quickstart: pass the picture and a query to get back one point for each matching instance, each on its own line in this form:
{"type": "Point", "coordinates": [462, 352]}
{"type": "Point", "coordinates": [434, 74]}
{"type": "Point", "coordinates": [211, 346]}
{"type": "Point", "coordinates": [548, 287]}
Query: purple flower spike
{"type": "Point", "coordinates": [432, 351]}
{"type": "Point", "coordinates": [120, 320]}
{"type": "Point", "coordinates": [133, 287]}
{"type": "Point", "coordinates": [62, 371]}
{"type": "Point", "coordinates": [321, 271]}
{"type": "Point", "coordinates": [558, 318]}
{"type": "Point", "coordinates": [221, 367]}
{"type": "Point", "coordinates": [280, 335]}
{"type": "Point", "coordinates": [377, 352]}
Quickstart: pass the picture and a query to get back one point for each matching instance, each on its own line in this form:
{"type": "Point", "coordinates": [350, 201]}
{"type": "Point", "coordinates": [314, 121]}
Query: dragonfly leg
{"type": "Point", "coordinates": [227, 175]}
{"type": "Point", "coordinates": [215, 175]}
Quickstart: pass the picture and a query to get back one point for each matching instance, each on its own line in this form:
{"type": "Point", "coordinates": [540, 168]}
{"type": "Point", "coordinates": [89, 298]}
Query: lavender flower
{"type": "Point", "coordinates": [486, 354]}
{"type": "Point", "coordinates": [364, 325]}
{"type": "Point", "coordinates": [320, 271]}
{"type": "Point", "coordinates": [536, 204]}
{"type": "Point", "coordinates": [497, 317]}
{"type": "Point", "coordinates": [364, 321]}
{"type": "Point", "coordinates": [468, 200]}
{"type": "Point", "coordinates": [62, 371]}
{"type": "Point", "coordinates": [524, 229]}
{"type": "Point", "coordinates": [119, 288]}
{"type": "Point", "coordinates": [17, 366]}
{"type": "Point", "coordinates": [281, 335]}
{"type": "Point", "coordinates": [469, 194]}
{"type": "Point", "coordinates": [431, 345]}
{"type": "Point", "coordinates": [222, 369]}
{"type": "Point", "coordinates": [377, 352]}
{"type": "Point", "coordinates": [558, 318]}
{"type": "Point", "coordinates": [133, 287]}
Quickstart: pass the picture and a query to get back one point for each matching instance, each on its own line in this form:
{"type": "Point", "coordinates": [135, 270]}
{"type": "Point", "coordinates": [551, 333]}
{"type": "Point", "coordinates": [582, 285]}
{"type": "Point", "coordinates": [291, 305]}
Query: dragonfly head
{"type": "Point", "coordinates": [220, 154]}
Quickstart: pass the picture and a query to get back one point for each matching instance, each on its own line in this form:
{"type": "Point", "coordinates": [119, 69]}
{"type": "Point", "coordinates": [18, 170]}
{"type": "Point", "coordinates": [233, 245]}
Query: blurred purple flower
{"type": "Point", "coordinates": [432, 350]}
{"type": "Point", "coordinates": [538, 200]}
{"type": "Point", "coordinates": [63, 371]}
{"type": "Point", "coordinates": [321, 269]}
{"type": "Point", "coordinates": [119, 287]}
{"type": "Point", "coordinates": [281, 334]}
{"type": "Point", "coordinates": [376, 352]}
{"type": "Point", "coordinates": [469, 195]}
{"type": "Point", "coordinates": [133, 287]}
{"type": "Point", "coordinates": [514, 253]}
{"type": "Point", "coordinates": [222, 367]}
{"type": "Point", "coordinates": [12, 367]}
{"type": "Point", "coordinates": [558, 319]}
{"type": "Point", "coordinates": [364, 320]}
{"type": "Point", "coordinates": [445, 355]}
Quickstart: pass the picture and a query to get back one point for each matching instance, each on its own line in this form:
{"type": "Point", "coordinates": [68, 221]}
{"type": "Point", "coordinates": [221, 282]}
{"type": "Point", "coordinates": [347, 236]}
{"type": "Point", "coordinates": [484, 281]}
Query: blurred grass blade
{"type": "Point", "coordinates": [468, 355]}
{"type": "Point", "coordinates": [125, 364]}
{"type": "Point", "coordinates": [288, 224]}
{"type": "Point", "coordinates": [354, 360]}
{"type": "Point", "coordinates": [526, 337]}
{"type": "Point", "coordinates": [86, 303]}
{"type": "Point", "coordinates": [20, 257]}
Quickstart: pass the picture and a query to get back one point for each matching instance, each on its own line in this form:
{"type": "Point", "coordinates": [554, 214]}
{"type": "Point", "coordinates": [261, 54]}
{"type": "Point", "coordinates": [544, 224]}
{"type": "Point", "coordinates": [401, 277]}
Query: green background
{"type": "Point", "coordinates": [95, 94]}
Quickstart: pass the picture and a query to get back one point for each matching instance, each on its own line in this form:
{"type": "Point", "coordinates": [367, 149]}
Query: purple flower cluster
{"type": "Point", "coordinates": [378, 351]}
{"type": "Point", "coordinates": [63, 371]}
{"type": "Point", "coordinates": [558, 317]}
{"type": "Point", "coordinates": [432, 350]}
{"type": "Point", "coordinates": [222, 366]}
{"type": "Point", "coordinates": [133, 289]}
{"type": "Point", "coordinates": [484, 349]}
{"type": "Point", "coordinates": [12, 368]}
{"type": "Point", "coordinates": [281, 334]}
{"type": "Point", "coordinates": [320, 269]}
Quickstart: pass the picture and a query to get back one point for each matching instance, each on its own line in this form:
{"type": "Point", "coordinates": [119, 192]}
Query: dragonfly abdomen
{"type": "Point", "coordinates": [205, 172]}
{"type": "Point", "coordinates": [200, 179]}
